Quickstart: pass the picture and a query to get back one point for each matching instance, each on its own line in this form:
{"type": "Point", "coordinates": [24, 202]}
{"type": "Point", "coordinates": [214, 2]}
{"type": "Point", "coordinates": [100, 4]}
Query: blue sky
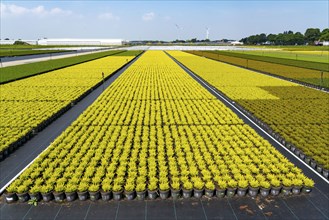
{"type": "Point", "coordinates": [156, 20]}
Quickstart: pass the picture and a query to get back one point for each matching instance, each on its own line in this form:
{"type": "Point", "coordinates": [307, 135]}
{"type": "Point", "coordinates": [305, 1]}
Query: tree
{"type": "Point", "coordinates": [271, 38]}
{"type": "Point", "coordinates": [299, 38]}
{"type": "Point", "coordinates": [324, 35]}
{"type": "Point", "coordinates": [312, 34]}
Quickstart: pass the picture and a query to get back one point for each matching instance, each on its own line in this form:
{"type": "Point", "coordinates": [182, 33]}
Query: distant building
{"type": "Point", "coordinates": [90, 42]}
{"type": "Point", "coordinates": [325, 43]}
{"type": "Point", "coordinates": [236, 43]}
{"type": "Point", "coordinates": [7, 42]}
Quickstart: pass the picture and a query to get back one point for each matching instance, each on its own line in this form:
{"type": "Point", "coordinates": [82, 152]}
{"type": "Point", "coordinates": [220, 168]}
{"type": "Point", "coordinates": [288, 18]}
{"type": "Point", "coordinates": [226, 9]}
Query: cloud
{"type": "Point", "coordinates": [148, 16]}
{"type": "Point", "coordinates": [16, 10]}
{"type": "Point", "coordinates": [108, 16]}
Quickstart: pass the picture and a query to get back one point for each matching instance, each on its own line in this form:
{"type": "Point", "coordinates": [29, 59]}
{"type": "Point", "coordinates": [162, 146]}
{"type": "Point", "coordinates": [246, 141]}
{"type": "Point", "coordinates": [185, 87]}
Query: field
{"type": "Point", "coordinates": [155, 128]}
{"type": "Point", "coordinates": [22, 52]}
{"type": "Point", "coordinates": [298, 113]}
{"type": "Point", "coordinates": [28, 105]}
{"type": "Point", "coordinates": [302, 71]}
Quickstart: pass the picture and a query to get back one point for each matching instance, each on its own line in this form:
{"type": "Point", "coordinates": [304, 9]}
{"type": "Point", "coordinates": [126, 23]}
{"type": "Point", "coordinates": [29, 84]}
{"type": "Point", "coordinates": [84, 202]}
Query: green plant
{"type": "Point", "coordinates": [21, 189]}
{"type": "Point", "coordinates": [164, 186]}
{"type": "Point", "coordinates": [175, 185]}
{"type": "Point", "coordinates": [59, 187]}
{"type": "Point", "coordinates": [35, 189]}
{"type": "Point", "coordinates": [265, 184]}
{"type": "Point", "coordinates": [232, 183]}
{"type": "Point", "coordinates": [83, 187]}
{"type": "Point", "coordinates": [243, 183]}
{"type": "Point", "coordinates": [129, 186]}
{"type": "Point", "coordinates": [210, 185]}
{"type": "Point", "coordinates": [11, 188]}
{"type": "Point", "coordinates": [187, 185]}
{"type": "Point", "coordinates": [287, 182]}
{"type": "Point", "coordinates": [297, 182]}
{"type": "Point", "coordinates": [308, 182]}
{"type": "Point", "coordinates": [222, 184]}
{"type": "Point", "coordinates": [198, 184]}
{"type": "Point", "coordinates": [275, 182]}
{"type": "Point", "coordinates": [117, 188]}
{"type": "Point", "coordinates": [33, 202]}
{"type": "Point", "coordinates": [254, 183]}
{"type": "Point", "coordinates": [140, 187]}
{"type": "Point", "coordinates": [46, 188]}
{"type": "Point", "coordinates": [152, 186]}
{"type": "Point", "coordinates": [93, 188]}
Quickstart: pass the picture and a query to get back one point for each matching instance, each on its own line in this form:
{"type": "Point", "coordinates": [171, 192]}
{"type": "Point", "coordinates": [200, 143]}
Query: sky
{"type": "Point", "coordinates": [158, 20]}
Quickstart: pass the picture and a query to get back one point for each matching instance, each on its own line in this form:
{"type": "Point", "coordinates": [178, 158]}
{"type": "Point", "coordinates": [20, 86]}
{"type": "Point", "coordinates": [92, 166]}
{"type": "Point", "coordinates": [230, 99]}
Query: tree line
{"type": "Point", "coordinates": [311, 36]}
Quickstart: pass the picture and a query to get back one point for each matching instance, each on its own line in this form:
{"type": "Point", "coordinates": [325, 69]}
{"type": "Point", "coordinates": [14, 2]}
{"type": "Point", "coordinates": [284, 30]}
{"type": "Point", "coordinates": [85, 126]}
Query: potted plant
{"type": "Point", "coordinates": [308, 185]}
{"type": "Point", "coordinates": [175, 189]}
{"type": "Point", "coordinates": [129, 190]}
{"type": "Point", "coordinates": [198, 188]}
{"type": "Point", "coordinates": [46, 193]}
{"type": "Point", "coordinates": [253, 188]}
{"type": "Point", "coordinates": [59, 192]}
{"type": "Point", "coordinates": [265, 188]}
{"type": "Point", "coordinates": [34, 193]}
{"type": "Point", "coordinates": [164, 190]}
{"type": "Point", "coordinates": [10, 194]}
{"type": "Point", "coordinates": [152, 190]}
{"type": "Point", "coordinates": [187, 189]}
{"type": "Point", "coordinates": [297, 185]}
{"type": "Point", "coordinates": [117, 191]}
{"type": "Point", "coordinates": [141, 191]}
{"type": "Point", "coordinates": [22, 193]}
{"type": "Point", "coordinates": [106, 190]}
{"type": "Point", "coordinates": [276, 187]}
{"type": "Point", "coordinates": [287, 186]}
{"type": "Point", "coordinates": [70, 192]}
{"type": "Point", "coordinates": [210, 188]}
{"type": "Point", "coordinates": [231, 188]}
{"type": "Point", "coordinates": [83, 191]}
{"type": "Point", "coordinates": [94, 193]}
{"type": "Point", "coordinates": [242, 187]}
{"type": "Point", "coordinates": [221, 188]}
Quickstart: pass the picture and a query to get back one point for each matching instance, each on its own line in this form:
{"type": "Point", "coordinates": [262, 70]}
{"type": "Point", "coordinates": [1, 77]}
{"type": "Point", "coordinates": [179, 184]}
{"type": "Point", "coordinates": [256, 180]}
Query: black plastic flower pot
{"type": "Point", "coordinates": [296, 190]}
{"type": "Point", "coordinates": [198, 193]}
{"type": "Point", "coordinates": [59, 196]}
{"type": "Point", "coordinates": [306, 189]}
{"type": "Point", "coordinates": [292, 148]}
{"type": "Point", "coordinates": [47, 197]}
{"type": "Point", "coordinates": [264, 192]}
{"type": "Point", "coordinates": [106, 196]}
{"type": "Point", "coordinates": [297, 152]}
{"type": "Point", "coordinates": [175, 193]}
{"type": "Point", "coordinates": [241, 191]}
{"type": "Point", "coordinates": [319, 168]}
{"type": "Point", "coordinates": [187, 193]}
{"type": "Point", "coordinates": [253, 192]}
{"type": "Point", "coordinates": [71, 196]}
{"type": "Point", "coordinates": [130, 195]}
{"type": "Point", "coordinates": [286, 191]}
{"type": "Point", "coordinates": [275, 191]}
{"type": "Point", "coordinates": [94, 196]}
{"type": "Point", "coordinates": [10, 197]}
{"type": "Point", "coordinates": [23, 197]}
{"type": "Point", "coordinates": [307, 160]}
{"type": "Point", "coordinates": [35, 196]}
{"type": "Point", "coordinates": [230, 192]}
{"type": "Point", "coordinates": [141, 195]}
{"type": "Point", "coordinates": [220, 193]}
{"type": "Point", "coordinates": [302, 155]}
{"type": "Point", "coordinates": [117, 195]}
{"type": "Point", "coordinates": [164, 194]}
{"type": "Point", "coordinates": [83, 196]}
{"type": "Point", "coordinates": [152, 194]}
{"type": "Point", "coordinates": [209, 193]}
{"type": "Point", "coordinates": [325, 173]}
{"type": "Point", "coordinates": [313, 164]}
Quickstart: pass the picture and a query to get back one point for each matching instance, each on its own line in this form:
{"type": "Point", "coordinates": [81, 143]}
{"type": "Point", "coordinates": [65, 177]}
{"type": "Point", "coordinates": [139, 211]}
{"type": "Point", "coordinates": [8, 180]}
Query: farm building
{"type": "Point", "coordinates": [71, 41]}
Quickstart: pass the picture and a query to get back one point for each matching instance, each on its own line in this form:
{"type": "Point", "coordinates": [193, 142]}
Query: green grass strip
{"type": "Point", "coordinates": [13, 53]}
{"type": "Point", "coordinates": [298, 63]}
